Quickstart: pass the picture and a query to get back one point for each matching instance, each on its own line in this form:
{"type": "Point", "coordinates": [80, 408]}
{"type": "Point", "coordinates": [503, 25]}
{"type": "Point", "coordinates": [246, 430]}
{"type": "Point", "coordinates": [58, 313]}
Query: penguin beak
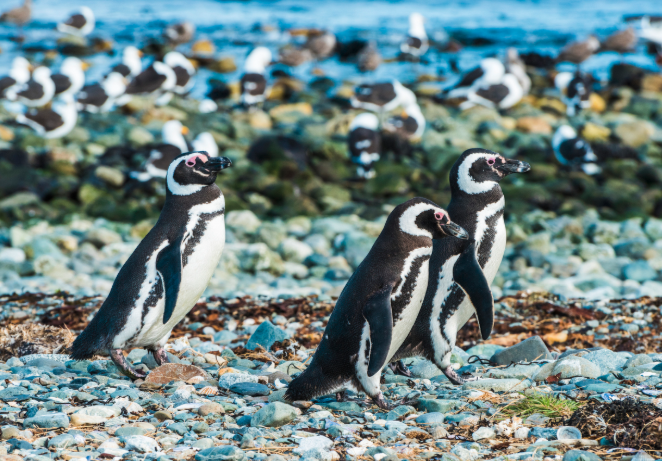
{"type": "Point", "coordinates": [216, 164]}
{"type": "Point", "coordinates": [513, 166]}
{"type": "Point", "coordinates": [454, 230]}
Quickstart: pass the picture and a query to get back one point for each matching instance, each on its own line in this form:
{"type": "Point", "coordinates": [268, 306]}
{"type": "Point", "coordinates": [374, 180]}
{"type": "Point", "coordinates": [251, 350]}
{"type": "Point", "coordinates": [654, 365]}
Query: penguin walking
{"type": "Point", "coordinates": [575, 91]}
{"type": "Point", "coordinates": [169, 270]}
{"type": "Point", "coordinates": [573, 151]}
{"type": "Point", "coordinates": [378, 306]}
{"type": "Point", "coordinates": [461, 271]}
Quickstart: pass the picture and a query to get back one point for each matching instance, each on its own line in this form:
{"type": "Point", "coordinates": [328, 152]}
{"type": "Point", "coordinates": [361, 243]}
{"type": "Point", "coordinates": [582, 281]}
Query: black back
{"type": "Point", "coordinates": [147, 81]}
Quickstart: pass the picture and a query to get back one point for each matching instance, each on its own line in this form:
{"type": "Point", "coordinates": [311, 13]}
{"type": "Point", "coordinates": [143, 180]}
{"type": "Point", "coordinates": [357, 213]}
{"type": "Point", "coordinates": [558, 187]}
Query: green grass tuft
{"type": "Point", "coordinates": [545, 404]}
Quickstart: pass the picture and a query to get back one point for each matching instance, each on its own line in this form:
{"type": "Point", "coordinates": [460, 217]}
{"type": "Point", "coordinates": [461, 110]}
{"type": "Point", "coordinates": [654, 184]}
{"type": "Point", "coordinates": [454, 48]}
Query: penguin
{"type": "Point", "coordinates": [36, 92]}
{"type": "Point", "coordinates": [461, 271]}
{"type": "Point", "coordinates": [489, 72]}
{"type": "Point", "coordinates": [502, 95]}
{"type": "Point", "coordinates": [71, 78]}
{"type": "Point", "coordinates": [156, 79]}
{"type": "Point", "coordinates": [516, 66]}
{"type": "Point", "coordinates": [18, 75]}
{"type": "Point", "coordinates": [131, 64]}
{"type": "Point", "coordinates": [382, 97]}
{"type": "Point", "coordinates": [575, 91]}
{"type": "Point", "coordinates": [103, 96]}
{"type": "Point", "coordinates": [162, 155]}
{"type": "Point", "coordinates": [54, 122]}
{"type": "Point", "coordinates": [79, 24]}
{"type": "Point", "coordinates": [364, 144]}
{"type": "Point", "coordinates": [378, 305]}
{"type": "Point", "coordinates": [169, 270]}
{"type": "Point", "coordinates": [416, 42]}
{"type": "Point", "coordinates": [571, 150]}
{"type": "Point", "coordinates": [254, 81]}
{"type": "Point", "coordinates": [409, 125]}
{"type": "Point", "coordinates": [184, 71]}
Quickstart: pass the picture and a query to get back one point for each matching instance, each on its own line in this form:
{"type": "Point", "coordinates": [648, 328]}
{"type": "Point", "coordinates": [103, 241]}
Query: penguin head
{"type": "Point", "coordinates": [192, 171]}
{"type": "Point", "coordinates": [480, 170]}
{"type": "Point", "coordinates": [423, 218]}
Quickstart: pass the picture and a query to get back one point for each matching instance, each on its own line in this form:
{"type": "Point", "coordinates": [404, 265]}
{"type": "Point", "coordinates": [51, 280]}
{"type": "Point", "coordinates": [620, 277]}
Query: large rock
{"type": "Point", "coordinates": [572, 366]}
{"type": "Point", "coordinates": [227, 380]}
{"type": "Point", "coordinates": [606, 359]}
{"type": "Point", "coordinates": [265, 335]}
{"type": "Point", "coordinates": [49, 421]}
{"type": "Point", "coordinates": [227, 453]}
{"type": "Point", "coordinates": [275, 414]}
{"type": "Point", "coordinates": [530, 349]}
{"type": "Point", "coordinates": [514, 372]}
{"type": "Point", "coordinates": [294, 250]}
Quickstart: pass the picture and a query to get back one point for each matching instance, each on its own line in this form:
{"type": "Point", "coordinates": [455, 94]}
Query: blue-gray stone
{"type": "Point", "coordinates": [149, 361]}
{"type": "Point", "coordinates": [580, 455]}
{"type": "Point", "coordinates": [14, 362]}
{"type": "Point", "coordinates": [17, 444]}
{"type": "Point", "coordinates": [484, 351]}
{"type": "Point", "coordinates": [16, 393]}
{"type": "Point", "coordinates": [456, 418]}
{"type": "Point", "coordinates": [47, 421]}
{"type": "Point", "coordinates": [605, 359]}
{"type": "Point", "coordinates": [343, 406]}
{"type": "Point", "coordinates": [62, 441]}
{"type": "Point", "coordinates": [544, 432]}
{"type": "Point", "coordinates": [389, 436]}
{"type": "Point", "coordinates": [265, 335]}
{"type": "Point", "coordinates": [225, 337]}
{"type": "Point", "coordinates": [244, 420]}
{"type": "Point", "coordinates": [227, 453]}
{"type": "Point", "coordinates": [130, 430]}
{"type": "Point", "coordinates": [437, 405]}
{"type": "Point", "coordinates": [132, 394]}
{"type": "Point", "coordinates": [44, 363]}
{"type": "Point", "coordinates": [252, 389]}
{"type": "Point", "coordinates": [77, 365]}
{"type": "Point", "coordinates": [178, 428]}
{"type": "Point", "coordinates": [530, 349]}
{"type": "Point", "coordinates": [430, 418]}
{"type": "Point", "coordinates": [200, 427]}
{"type": "Point", "coordinates": [639, 271]}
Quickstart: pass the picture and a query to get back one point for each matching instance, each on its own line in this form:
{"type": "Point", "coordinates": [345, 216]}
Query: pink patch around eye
{"type": "Point", "coordinates": [439, 215]}
{"type": "Point", "coordinates": [190, 162]}
{"type": "Point", "coordinates": [491, 160]}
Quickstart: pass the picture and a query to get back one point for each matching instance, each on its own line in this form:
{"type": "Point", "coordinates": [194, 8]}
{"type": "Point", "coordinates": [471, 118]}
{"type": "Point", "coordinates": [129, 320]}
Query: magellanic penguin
{"type": "Point", "coordinates": [416, 42]}
{"type": "Point", "coordinates": [378, 306]}
{"type": "Point", "coordinates": [169, 270]}
{"type": "Point", "coordinates": [457, 287]}
{"type": "Point", "coordinates": [365, 144]}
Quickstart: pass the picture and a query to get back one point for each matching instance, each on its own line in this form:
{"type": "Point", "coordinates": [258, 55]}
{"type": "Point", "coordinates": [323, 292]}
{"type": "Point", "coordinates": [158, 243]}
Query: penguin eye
{"type": "Point", "coordinates": [440, 216]}
{"type": "Point", "coordinates": [490, 161]}
{"type": "Point", "coordinates": [190, 162]}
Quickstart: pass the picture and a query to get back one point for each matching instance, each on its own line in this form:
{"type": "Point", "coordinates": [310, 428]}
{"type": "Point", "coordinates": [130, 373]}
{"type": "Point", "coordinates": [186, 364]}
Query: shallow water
{"type": "Point", "coordinates": [543, 26]}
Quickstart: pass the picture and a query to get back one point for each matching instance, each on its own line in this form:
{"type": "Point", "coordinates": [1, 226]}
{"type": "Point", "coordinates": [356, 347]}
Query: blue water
{"type": "Point", "coordinates": [236, 27]}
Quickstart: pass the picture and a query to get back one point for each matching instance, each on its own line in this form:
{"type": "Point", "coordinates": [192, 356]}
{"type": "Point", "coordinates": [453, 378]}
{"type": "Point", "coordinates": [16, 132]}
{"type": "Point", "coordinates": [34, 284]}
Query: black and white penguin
{"type": "Point", "coordinates": [19, 74]}
{"type": "Point", "coordinates": [457, 286]}
{"type": "Point", "coordinates": [169, 270]}
{"type": "Point", "coordinates": [416, 42]}
{"type": "Point", "coordinates": [489, 72]}
{"type": "Point", "coordinates": [502, 95]}
{"type": "Point", "coordinates": [71, 78]}
{"type": "Point", "coordinates": [131, 64]}
{"type": "Point", "coordinates": [365, 144]}
{"type": "Point", "coordinates": [36, 92]}
{"type": "Point", "coordinates": [382, 97]}
{"type": "Point", "coordinates": [253, 82]}
{"type": "Point", "coordinates": [102, 96]}
{"type": "Point", "coordinates": [54, 122]}
{"type": "Point", "coordinates": [79, 24]}
{"type": "Point", "coordinates": [572, 151]}
{"type": "Point", "coordinates": [516, 66]}
{"type": "Point", "coordinates": [575, 91]}
{"type": "Point", "coordinates": [162, 155]}
{"type": "Point", "coordinates": [206, 142]}
{"type": "Point", "coordinates": [156, 79]}
{"type": "Point", "coordinates": [184, 71]}
{"type": "Point", "coordinates": [409, 125]}
{"type": "Point", "coordinates": [378, 306]}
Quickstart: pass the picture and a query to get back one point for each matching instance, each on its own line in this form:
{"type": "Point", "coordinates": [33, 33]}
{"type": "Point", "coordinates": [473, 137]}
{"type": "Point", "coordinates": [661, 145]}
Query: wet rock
{"type": "Point", "coordinates": [48, 421]}
{"type": "Point", "coordinates": [571, 367]}
{"type": "Point", "coordinates": [265, 335]}
{"type": "Point", "coordinates": [484, 433]}
{"type": "Point", "coordinates": [252, 389]}
{"type": "Point", "coordinates": [530, 349]}
{"type": "Point", "coordinates": [275, 414]}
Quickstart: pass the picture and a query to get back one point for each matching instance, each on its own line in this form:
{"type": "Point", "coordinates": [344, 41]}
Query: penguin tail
{"type": "Point", "coordinates": [88, 343]}
{"type": "Point", "coordinates": [311, 383]}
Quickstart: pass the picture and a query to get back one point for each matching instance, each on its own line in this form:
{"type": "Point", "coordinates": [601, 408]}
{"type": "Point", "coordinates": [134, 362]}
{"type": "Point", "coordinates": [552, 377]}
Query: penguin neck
{"type": "Point", "coordinates": [464, 208]}
{"type": "Point", "coordinates": [176, 203]}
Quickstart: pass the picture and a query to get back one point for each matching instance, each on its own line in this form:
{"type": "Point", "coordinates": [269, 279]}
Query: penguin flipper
{"type": "Point", "coordinates": [169, 265]}
{"type": "Point", "coordinates": [469, 275]}
{"type": "Point", "coordinates": [377, 311]}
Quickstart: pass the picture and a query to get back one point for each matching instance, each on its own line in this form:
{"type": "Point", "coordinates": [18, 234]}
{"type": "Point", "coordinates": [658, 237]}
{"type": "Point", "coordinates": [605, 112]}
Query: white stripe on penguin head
{"type": "Point", "coordinates": [174, 186]}
{"type": "Point", "coordinates": [408, 219]}
{"type": "Point", "coordinates": [466, 182]}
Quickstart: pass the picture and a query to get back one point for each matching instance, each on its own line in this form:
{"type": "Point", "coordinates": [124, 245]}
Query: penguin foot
{"type": "Point", "coordinates": [341, 396]}
{"type": "Point", "coordinates": [117, 356]}
{"type": "Point", "coordinates": [380, 401]}
{"type": "Point", "coordinates": [399, 368]}
{"type": "Point", "coordinates": [161, 356]}
{"type": "Point", "coordinates": [452, 376]}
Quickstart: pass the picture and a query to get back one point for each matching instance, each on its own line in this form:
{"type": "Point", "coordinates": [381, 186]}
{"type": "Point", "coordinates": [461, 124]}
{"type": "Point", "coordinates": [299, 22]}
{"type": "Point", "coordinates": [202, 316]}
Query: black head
{"type": "Point", "coordinates": [479, 170]}
{"type": "Point", "coordinates": [192, 171]}
{"type": "Point", "coordinates": [423, 218]}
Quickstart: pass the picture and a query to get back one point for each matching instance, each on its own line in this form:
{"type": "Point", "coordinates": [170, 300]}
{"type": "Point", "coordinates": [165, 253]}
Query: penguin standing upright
{"type": "Point", "coordinates": [169, 270]}
{"type": "Point", "coordinates": [457, 287]}
{"type": "Point", "coordinates": [378, 306]}
{"type": "Point", "coordinates": [365, 144]}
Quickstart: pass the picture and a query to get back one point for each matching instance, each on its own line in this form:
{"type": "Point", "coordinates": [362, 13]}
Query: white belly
{"type": "Point", "coordinates": [408, 316]}
{"type": "Point", "coordinates": [201, 263]}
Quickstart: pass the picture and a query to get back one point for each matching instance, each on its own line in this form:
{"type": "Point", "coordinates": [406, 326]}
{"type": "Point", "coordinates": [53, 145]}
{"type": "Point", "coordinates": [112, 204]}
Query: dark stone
{"type": "Point", "coordinates": [530, 349]}
{"type": "Point", "coordinates": [252, 389]}
{"type": "Point", "coordinates": [265, 335]}
{"type": "Point", "coordinates": [244, 420]}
